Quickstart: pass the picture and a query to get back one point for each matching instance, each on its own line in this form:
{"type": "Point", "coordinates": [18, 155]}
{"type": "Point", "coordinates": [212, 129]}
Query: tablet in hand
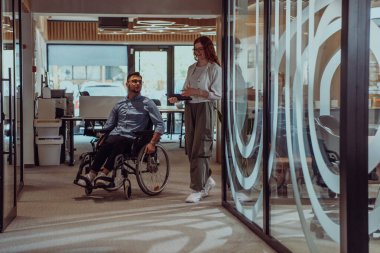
{"type": "Point", "coordinates": [180, 97]}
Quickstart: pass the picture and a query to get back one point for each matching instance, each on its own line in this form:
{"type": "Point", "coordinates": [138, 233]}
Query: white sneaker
{"type": "Point", "coordinates": [101, 182]}
{"type": "Point", "coordinates": [90, 176]}
{"type": "Point", "coordinates": [194, 197]}
{"type": "Point", "coordinates": [210, 184]}
{"type": "Point", "coordinates": [244, 197]}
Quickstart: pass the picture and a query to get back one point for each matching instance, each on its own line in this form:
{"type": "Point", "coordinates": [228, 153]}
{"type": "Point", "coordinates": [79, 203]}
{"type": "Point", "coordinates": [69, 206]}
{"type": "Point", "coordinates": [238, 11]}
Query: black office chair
{"type": "Point", "coordinates": [84, 93]}
{"type": "Point", "coordinates": [328, 140]}
{"type": "Point", "coordinates": [157, 101]}
{"type": "Point", "coordinates": [89, 125]}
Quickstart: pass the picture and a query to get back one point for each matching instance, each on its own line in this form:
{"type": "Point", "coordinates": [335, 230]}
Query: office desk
{"type": "Point", "coordinates": [69, 130]}
{"type": "Point", "coordinates": [171, 110]}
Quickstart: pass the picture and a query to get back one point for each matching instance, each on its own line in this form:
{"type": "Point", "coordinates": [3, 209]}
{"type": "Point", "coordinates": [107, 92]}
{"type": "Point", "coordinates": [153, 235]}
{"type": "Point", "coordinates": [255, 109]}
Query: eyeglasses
{"type": "Point", "coordinates": [198, 49]}
{"type": "Point", "coordinates": [136, 81]}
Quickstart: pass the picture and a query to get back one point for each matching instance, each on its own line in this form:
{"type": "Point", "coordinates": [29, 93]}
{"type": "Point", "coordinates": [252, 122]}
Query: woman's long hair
{"type": "Point", "coordinates": [209, 49]}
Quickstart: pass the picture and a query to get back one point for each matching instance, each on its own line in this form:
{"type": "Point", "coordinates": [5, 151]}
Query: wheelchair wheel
{"type": "Point", "coordinates": [127, 189]}
{"type": "Point", "coordinates": [88, 191]}
{"type": "Point", "coordinates": [152, 171]}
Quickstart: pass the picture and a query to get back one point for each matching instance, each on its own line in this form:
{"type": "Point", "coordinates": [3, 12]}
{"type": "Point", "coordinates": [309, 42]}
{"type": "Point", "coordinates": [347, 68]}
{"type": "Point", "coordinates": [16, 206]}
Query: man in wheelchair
{"type": "Point", "coordinates": [133, 114]}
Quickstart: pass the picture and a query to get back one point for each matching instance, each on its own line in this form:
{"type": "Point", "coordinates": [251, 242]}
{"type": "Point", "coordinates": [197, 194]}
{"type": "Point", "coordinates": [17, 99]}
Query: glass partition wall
{"type": "Point", "coordinates": [304, 155]}
{"type": "Point", "coordinates": [294, 119]}
{"type": "Point", "coordinates": [10, 141]}
{"type": "Point", "coordinates": [373, 129]}
{"type": "Point", "coordinates": [244, 115]}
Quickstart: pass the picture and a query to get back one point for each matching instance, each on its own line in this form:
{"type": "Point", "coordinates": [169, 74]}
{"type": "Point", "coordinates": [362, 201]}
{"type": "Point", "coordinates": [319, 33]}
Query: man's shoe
{"type": "Point", "coordinates": [102, 179]}
{"type": "Point", "coordinates": [243, 196]}
{"type": "Point", "coordinates": [194, 197]}
{"type": "Point", "coordinates": [89, 177]}
{"type": "Point", "coordinates": [210, 184]}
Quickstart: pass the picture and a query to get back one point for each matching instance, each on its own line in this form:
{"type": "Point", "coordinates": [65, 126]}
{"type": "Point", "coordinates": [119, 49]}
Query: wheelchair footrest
{"type": "Point", "coordinates": [88, 183]}
{"type": "Point", "coordinates": [104, 182]}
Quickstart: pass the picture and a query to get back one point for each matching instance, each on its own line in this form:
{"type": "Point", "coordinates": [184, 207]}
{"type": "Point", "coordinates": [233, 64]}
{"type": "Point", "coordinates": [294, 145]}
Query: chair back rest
{"type": "Point", "coordinates": [328, 133]}
{"type": "Point", "coordinates": [157, 101]}
{"type": "Point", "coordinates": [84, 93]}
{"type": "Point", "coordinates": [329, 123]}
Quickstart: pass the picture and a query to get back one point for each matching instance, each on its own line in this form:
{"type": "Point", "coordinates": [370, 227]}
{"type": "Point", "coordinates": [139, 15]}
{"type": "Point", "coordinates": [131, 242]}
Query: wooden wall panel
{"type": "Point", "coordinates": [87, 31]}
{"type": "Point", "coordinates": [8, 36]}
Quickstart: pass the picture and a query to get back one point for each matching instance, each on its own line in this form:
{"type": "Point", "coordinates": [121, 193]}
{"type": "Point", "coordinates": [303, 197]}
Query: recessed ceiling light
{"type": "Point", "coordinates": [154, 22]}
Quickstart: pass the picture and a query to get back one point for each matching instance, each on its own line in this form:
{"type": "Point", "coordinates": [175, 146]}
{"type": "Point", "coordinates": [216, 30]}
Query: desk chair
{"type": "Point", "coordinates": [328, 135]}
{"type": "Point", "coordinates": [89, 125]}
{"type": "Point", "coordinates": [156, 101]}
{"type": "Point", "coordinates": [84, 93]}
{"type": "Point", "coordinates": [328, 141]}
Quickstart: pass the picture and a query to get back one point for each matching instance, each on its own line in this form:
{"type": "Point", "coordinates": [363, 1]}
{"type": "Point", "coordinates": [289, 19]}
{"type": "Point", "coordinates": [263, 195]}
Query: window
{"type": "Point", "coordinates": [79, 67]}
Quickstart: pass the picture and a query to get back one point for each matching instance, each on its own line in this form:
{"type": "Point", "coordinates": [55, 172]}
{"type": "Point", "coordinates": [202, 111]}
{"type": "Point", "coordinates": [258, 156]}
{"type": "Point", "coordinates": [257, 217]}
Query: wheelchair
{"type": "Point", "coordinates": [151, 170]}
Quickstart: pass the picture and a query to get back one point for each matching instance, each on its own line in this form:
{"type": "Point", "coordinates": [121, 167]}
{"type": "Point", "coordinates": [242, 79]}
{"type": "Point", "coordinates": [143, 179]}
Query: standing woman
{"type": "Point", "coordinates": [204, 85]}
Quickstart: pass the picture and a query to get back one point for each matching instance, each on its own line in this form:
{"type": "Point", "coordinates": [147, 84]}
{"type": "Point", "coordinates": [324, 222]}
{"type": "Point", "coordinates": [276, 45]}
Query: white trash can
{"type": "Point", "coordinates": [49, 150]}
{"type": "Point", "coordinates": [47, 127]}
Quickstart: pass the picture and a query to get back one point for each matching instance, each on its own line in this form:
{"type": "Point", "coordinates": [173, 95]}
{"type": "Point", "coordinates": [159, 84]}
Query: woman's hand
{"type": "Point", "coordinates": [173, 100]}
{"type": "Point", "coordinates": [191, 92]}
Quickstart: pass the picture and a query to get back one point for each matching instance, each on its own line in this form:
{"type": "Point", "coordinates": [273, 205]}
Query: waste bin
{"type": "Point", "coordinates": [47, 127]}
{"type": "Point", "coordinates": [49, 150]}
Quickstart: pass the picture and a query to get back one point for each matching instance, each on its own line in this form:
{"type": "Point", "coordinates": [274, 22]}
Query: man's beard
{"type": "Point", "coordinates": [134, 90]}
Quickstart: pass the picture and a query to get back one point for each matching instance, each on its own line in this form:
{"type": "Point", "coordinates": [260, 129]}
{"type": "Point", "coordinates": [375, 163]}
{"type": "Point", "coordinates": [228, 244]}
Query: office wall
{"type": "Point", "coordinates": [138, 7]}
{"type": "Point", "coordinates": [28, 87]}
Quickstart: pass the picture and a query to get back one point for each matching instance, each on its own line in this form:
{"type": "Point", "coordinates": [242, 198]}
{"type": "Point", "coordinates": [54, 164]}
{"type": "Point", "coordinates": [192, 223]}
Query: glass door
{"type": "Point", "coordinates": [155, 65]}
{"type": "Point", "coordinates": [7, 123]}
{"type": "Point", "coordinates": [17, 90]}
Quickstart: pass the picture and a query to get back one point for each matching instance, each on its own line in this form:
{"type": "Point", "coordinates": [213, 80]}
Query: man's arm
{"type": "Point", "coordinates": [111, 121]}
{"type": "Point", "coordinates": [156, 138]}
{"type": "Point", "coordinates": [159, 126]}
{"type": "Point", "coordinates": [151, 146]}
{"type": "Point", "coordinates": [156, 118]}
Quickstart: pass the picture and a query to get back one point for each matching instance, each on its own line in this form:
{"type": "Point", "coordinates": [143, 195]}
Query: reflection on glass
{"type": "Point", "coordinates": [244, 109]}
{"type": "Point", "coordinates": [373, 129]}
{"type": "Point", "coordinates": [304, 154]}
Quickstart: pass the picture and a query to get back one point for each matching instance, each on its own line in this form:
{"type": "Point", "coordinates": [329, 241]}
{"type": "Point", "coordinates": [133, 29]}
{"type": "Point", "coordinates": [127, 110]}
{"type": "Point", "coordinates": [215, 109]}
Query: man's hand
{"type": "Point", "coordinates": [150, 148]}
{"type": "Point", "coordinates": [173, 100]}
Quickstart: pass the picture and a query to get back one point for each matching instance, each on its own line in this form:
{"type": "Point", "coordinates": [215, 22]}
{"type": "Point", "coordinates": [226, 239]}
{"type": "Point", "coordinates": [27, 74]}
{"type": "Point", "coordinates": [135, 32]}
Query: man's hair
{"type": "Point", "coordinates": [134, 74]}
